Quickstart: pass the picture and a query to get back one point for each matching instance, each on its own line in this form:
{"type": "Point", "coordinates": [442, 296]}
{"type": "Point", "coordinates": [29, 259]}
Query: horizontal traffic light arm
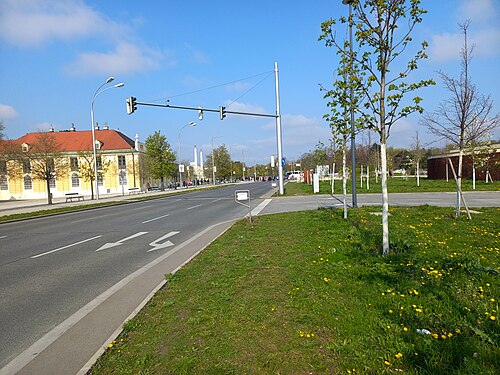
{"type": "Point", "coordinates": [206, 109]}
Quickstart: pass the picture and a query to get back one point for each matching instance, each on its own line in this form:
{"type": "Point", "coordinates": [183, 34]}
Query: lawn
{"type": "Point", "coordinates": [394, 185]}
{"type": "Point", "coordinates": [260, 300]}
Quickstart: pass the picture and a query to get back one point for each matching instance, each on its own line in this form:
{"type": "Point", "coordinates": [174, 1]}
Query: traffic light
{"type": "Point", "coordinates": [131, 105]}
{"type": "Point", "coordinates": [222, 111]}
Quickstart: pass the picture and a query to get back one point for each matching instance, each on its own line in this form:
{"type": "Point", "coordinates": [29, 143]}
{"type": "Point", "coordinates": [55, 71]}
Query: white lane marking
{"type": "Point", "coordinates": [45, 341]}
{"type": "Point", "coordinates": [198, 205]}
{"type": "Point", "coordinates": [65, 247]}
{"type": "Point", "coordinates": [118, 243]}
{"type": "Point", "coordinates": [260, 207]}
{"type": "Point", "coordinates": [157, 246]}
{"type": "Point", "coordinates": [3, 237]}
{"type": "Point", "coordinates": [156, 218]}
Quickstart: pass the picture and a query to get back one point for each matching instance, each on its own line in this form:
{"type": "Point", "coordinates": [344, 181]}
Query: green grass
{"type": "Point", "coordinates": [394, 185]}
{"type": "Point", "coordinates": [308, 293]}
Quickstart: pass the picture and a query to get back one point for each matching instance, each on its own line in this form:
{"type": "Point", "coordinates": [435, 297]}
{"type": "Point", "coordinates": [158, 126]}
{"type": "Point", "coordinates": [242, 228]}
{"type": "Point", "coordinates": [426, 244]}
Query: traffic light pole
{"type": "Point", "coordinates": [132, 103]}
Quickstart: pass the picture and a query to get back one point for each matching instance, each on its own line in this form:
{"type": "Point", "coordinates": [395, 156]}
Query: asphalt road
{"type": "Point", "coordinates": [50, 267]}
{"type": "Point", "coordinates": [67, 282]}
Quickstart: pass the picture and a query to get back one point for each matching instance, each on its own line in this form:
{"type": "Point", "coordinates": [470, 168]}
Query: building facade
{"type": "Point", "coordinates": [487, 161]}
{"type": "Point", "coordinates": [69, 155]}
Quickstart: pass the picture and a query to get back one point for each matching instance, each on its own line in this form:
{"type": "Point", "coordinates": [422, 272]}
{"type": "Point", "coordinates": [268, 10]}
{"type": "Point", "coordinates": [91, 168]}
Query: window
{"type": "Point", "coordinates": [3, 167]}
{"type": "Point", "coordinates": [122, 178]}
{"type": "Point", "coordinates": [75, 180]}
{"type": "Point", "coordinates": [25, 147]}
{"type": "Point", "coordinates": [51, 165]}
{"type": "Point", "coordinates": [121, 162]}
{"type": "Point", "coordinates": [28, 184]}
{"type": "Point", "coordinates": [73, 163]}
{"type": "Point", "coordinates": [26, 166]}
{"type": "Point", "coordinates": [99, 163]}
{"type": "Point", "coordinates": [3, 183]}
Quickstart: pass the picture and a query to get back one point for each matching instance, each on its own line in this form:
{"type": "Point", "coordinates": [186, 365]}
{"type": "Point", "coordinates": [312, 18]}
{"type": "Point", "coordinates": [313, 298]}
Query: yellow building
{"type": "Point", "coordinates": [119, 164]}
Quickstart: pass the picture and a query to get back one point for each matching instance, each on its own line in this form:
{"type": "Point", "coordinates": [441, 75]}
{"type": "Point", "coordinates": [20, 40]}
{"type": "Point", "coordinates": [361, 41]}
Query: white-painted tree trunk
{"type": "Point", "coordinates": [418, 174]}
{"type": "Point", "coordinates": [367, 177]}
{"type": "Point", "coordinates": [459, 182]}
{"type": "Point", "coordinates": [344, 177]}
{"type": "Point", "coordinates": [473, 176]}
{"type": "Point", "coordinates": [385, 200]}
{"type": "Point", "coordinates": [333, 178]}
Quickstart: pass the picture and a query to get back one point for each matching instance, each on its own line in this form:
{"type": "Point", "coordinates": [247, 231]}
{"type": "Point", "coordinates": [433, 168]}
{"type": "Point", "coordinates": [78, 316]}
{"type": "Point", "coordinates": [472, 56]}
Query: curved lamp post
{"type": "Point", "coordinates": [99, 90]}
{"type": "Point", "coordinates": [190, 123]}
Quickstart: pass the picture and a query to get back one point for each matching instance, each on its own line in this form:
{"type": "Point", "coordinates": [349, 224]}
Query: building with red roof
{"type": "Point", "coordinates": [66, 157]}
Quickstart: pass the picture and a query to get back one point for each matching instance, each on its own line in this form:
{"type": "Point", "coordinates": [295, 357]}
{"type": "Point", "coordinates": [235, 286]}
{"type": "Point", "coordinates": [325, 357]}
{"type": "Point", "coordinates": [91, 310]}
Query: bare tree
{"type": "Point", "coordinates": [46, 161]}
{"type": "Point", "coordinates": [86, 168]}
{"type": "Point", "coordinates": [466, 115]}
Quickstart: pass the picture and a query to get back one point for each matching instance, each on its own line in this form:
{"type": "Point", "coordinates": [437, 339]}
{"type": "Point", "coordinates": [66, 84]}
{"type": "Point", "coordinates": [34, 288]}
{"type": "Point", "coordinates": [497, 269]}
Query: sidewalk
{"type": "Point", "coordinates": [12, 207]}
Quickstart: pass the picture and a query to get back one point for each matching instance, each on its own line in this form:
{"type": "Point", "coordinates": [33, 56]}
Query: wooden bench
{"type": "Point", "coordinates": [134, 190]}
{"type": "Point", "coordinates": [71, 196]}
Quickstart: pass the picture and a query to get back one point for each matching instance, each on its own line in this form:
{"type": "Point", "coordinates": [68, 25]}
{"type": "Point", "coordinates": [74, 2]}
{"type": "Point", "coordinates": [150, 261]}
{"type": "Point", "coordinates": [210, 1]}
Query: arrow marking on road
{"type": "Point", "coordinates": [113, 244]}
{"type": "Point", "coordinates": [157, 245]}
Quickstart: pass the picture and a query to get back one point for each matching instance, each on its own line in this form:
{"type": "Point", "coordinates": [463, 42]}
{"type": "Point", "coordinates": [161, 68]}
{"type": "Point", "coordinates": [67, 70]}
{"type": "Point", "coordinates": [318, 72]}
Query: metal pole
{"type": "Point", "coordinates": [353, 133]}
{"type": "Point", "coordinates": [179, 155]}
{"type": "Point", "coordinates": [96, 185]}
{"type": "Point", "coordinates": [278, 132]}
{"type": "Point", "coordinates": [213, 162]}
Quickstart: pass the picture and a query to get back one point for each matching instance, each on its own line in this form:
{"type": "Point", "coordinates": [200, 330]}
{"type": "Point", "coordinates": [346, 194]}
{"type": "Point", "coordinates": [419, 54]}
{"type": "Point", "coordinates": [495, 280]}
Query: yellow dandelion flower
{"type": "Point", "coordinates": [457, 330]}
{"type": "Point", "coordinates": [390, 311]}
{"type": "Point", "coordinates": [435, 335]}
{"type": "Point", "coordinates": [387, 363]}
{"type": "Point", "coordinates": [405, 329]}
{"type": "Point", "coordinates": [492, 317]}
{"type": "Point", "coordinates": [398, 355]}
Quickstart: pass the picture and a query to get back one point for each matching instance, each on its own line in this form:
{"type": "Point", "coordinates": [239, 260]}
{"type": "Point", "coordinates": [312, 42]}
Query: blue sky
{"type": "Point", "coordinates": [54, 54]}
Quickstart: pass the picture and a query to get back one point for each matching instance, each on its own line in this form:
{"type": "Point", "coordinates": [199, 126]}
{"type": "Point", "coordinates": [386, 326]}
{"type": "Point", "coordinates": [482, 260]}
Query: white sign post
{"type": "Point", "coordinates": [241, 197]}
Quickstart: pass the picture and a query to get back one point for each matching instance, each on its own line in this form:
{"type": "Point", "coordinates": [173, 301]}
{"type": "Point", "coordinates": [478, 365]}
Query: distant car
{"type": "Point", "coordinates": [153, 188]}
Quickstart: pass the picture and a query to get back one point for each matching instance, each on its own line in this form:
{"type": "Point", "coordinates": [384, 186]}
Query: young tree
{"type": "Point", "coordinates": [159, 159]}
{"type": "Point", "coordinates": [86, 168]}
{"type": "Point", "coordinates": [46, 160]}
{"type": "Point", "coordinates": [466, 116]}
{"type": "Point", "coordinates": [383, 30]}
{"type": "Point", "coordinates": [417, 152]}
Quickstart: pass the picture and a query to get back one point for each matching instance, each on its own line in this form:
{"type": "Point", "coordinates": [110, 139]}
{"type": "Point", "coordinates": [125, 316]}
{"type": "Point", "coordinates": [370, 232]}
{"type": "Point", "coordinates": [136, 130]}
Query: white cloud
{"type": "Point", "coordinates": [244, 107]}
{"type": "Point", "coordinates": [6, 111]}
{"type": "Point", "coordinates": [126, 58]}
{"type": "Point", "coordinates": [238, 86]}
{"type": "Point", "coordinates": [444, 47]}
{"type": "Point", "coordinates": [32, 23]}
{"type": "Point", "coordinates": [477, 10]}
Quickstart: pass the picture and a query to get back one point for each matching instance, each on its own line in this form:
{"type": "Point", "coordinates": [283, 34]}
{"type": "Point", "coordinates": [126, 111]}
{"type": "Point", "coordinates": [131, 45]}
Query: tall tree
{"type": "Point", "coordinates": [466, 116]}
{"type": "Point", "coordinates": [222, 162]}
{"type": "Point", "coordinates": [160, 158]}
{"type": "Point", "coordinates": [383, 31]}
{"type": "Point", "coordinates": [46, 161]}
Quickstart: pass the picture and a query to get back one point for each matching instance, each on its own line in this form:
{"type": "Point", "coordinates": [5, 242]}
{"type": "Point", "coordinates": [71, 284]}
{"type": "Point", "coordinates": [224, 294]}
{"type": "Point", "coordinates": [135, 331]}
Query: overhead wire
{"type": "Point", "coordinates": [217, 86]}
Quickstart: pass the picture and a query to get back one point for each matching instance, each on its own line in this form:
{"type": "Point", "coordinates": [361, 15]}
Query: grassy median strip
{"type": "Point", "coordinates": [307, 293]}
{"type": "Point", "coordinates": [394, 185]}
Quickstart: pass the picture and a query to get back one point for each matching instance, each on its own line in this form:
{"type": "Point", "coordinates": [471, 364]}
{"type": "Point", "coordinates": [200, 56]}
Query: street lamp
{"type": "Point", "coordinates": [96, 94]}
{"type": "Point", "coordinates": [353, 134]}
{"type": "Point", "coordinates": [213, 159]}
{"type": "Point", "coordinates": [190, 123]}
